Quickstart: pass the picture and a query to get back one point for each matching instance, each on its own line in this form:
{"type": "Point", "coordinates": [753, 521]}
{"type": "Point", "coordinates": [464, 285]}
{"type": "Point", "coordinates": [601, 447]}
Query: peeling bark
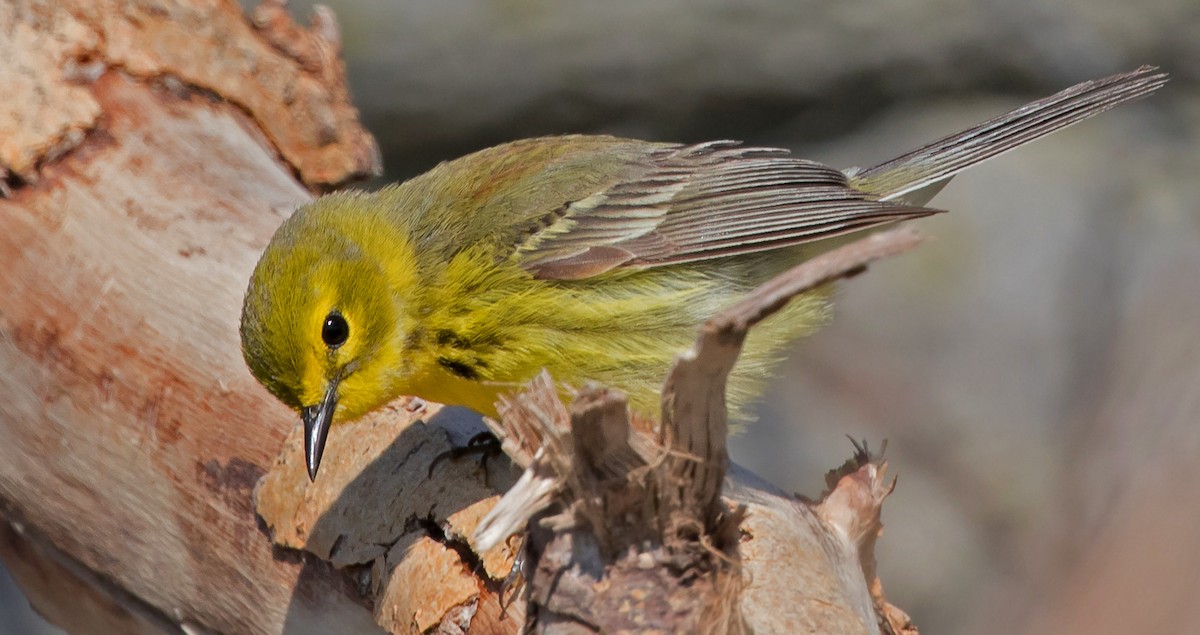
{"type": "Point", "coordinates": [138, 200]}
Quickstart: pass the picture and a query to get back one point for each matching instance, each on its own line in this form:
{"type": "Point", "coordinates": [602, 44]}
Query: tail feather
{"type": "Point", "coordinates": [915, 176]}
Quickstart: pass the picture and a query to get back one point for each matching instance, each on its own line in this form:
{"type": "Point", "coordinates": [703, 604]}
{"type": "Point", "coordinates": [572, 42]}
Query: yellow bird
{"type": "Point", "coordinates": [590, 256]}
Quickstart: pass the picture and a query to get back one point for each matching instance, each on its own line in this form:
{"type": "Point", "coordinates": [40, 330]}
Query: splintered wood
{"type": "Point", "coordinates": [632, 533]}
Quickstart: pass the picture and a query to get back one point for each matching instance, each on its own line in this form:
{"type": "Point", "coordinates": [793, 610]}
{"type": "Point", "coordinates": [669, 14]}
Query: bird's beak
{"type": "Point", "coordinates": [316, 429]}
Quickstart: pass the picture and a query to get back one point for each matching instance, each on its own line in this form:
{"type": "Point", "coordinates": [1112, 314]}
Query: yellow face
{"type": "Point", "coordinates": [332, 324]}
{"type": "Point", "coordinates": [321, 328]}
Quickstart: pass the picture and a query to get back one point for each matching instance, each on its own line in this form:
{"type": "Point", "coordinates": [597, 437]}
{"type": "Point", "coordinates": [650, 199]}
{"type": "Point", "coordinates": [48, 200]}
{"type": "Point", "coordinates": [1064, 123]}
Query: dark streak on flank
{"type": "Point", "coordinates": [459, 368]}
{"type": "Point", "coordinates": [446, 337]}
{"type": "Point", "coordinates": [452, 339]}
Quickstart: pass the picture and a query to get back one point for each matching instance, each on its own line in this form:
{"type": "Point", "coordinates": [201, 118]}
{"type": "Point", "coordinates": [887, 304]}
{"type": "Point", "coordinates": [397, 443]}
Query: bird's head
{"type": "Point", "coordinates": [319, 328]}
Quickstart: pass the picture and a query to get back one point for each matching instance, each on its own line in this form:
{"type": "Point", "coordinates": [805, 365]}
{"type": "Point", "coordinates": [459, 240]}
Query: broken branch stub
{"type": "Point", "coordinates": [596, 549]}
{"type": "Point", "coordinates": [632, 533]}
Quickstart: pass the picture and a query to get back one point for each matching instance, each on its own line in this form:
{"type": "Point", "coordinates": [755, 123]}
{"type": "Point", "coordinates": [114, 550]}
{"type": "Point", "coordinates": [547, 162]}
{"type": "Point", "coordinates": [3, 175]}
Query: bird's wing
{"type": "Point", "coordinates": [675, 204]}
{"type": "Point", "coordinates": [697, 202]}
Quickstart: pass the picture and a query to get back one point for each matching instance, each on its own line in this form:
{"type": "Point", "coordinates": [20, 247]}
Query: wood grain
{"type": "Point", "coordinates": [138, 202]}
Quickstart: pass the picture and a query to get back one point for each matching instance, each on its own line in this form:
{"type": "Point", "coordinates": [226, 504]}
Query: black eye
{"type": "Point", "coordinates": [335, 331]}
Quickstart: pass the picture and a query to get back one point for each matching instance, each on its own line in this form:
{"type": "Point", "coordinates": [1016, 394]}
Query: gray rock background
{"type": "Point", "coordinates": [1036, 368]}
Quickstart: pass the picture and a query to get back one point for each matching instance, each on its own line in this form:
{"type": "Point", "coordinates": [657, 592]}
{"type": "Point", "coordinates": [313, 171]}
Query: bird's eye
{"type": "Point", "coordinates": [335, 330]}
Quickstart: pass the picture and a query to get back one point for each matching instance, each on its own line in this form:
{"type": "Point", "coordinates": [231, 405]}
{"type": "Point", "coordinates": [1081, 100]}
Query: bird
{"type": "Point", "coordinates": [592, 257]}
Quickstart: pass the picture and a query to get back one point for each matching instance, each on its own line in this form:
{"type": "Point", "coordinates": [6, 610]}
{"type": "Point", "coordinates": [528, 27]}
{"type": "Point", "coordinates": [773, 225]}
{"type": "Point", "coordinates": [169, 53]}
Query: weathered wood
{"type": "Point", "coordinates": [388, 509]}
{"type": "Point", "coordinates": [47, 575]}
{"type": "Point", "coordinates": [142, 143]}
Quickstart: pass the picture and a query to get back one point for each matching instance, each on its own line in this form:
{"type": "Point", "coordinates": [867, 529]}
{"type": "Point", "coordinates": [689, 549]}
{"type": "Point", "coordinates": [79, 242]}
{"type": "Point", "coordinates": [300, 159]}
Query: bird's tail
{"type": "Point", "coordinates": [915, 177]}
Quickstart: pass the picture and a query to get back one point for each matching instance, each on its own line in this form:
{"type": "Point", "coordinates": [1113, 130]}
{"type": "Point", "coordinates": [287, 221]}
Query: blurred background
{"type": "Point", "coordinates": [1035, 367]}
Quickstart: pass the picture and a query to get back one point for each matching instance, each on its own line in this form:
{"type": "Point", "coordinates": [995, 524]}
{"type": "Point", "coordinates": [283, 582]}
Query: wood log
{"type": "Point", "coordinates": [150, 149]}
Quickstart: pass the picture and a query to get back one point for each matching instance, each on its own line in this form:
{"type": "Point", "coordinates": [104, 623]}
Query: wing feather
{"type": "Point", "coordinates": [702, 201]}
{"type": "Point", "coordinates": [938, 161]}
{"type": "Point", "coordinates": [674, 204]}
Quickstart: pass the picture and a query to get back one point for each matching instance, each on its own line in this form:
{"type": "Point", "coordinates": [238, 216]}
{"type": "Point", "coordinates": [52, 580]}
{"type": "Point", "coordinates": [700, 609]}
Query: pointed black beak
{"type": "Point", "coordinates": [316, 429]}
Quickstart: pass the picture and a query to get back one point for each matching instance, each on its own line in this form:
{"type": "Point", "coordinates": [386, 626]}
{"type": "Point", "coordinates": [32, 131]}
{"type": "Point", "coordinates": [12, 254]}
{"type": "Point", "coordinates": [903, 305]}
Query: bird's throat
{"type": "Point", "coordinates": [445, 386]}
